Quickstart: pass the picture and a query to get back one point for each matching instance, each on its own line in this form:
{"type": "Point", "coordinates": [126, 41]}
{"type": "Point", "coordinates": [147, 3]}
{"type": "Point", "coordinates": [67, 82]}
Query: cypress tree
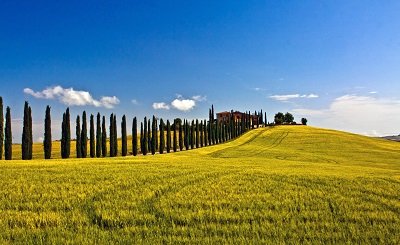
{"type": "Point", "coordinates": [197, 134]}
{"type": "Point", "coordinates": [162, 137]}
{"type": "Point", "coordinates": [123, 136]}
{"type": "Point", "coordinates": [63, 128]}
{"type": "Point", "coordinates": [201, 133]}
{"type": "Point", "coordinates": [192, 135]}
{"type": "Point", "coordinates": [112, 135]}
{"type": "Point", "coordinates": [265, 119]}
{"type": "Point", "coordinates": [8, 136]}
{"type": "Point", "coordinates": [30, 146]}
{"type": "Point", "coordinates": [168, 137]}
{"type": "Point", "coordinates": [92, 137]}
{"type": "Point", "coordinates": [149, 136]}
{"type": "Point", "coordinates": [205, 132]}
{"type": "Point", "coordinates": [174, 140]}
{"type": "Point", "coordinates": [141, 138]}
{"type": "Point", "coordinates": [187, 135]}
{"type": "Point", "coordinates": [1, 128]}
{"type": "Point", "coordinates": [67, 145]}
{"type": "Point", "coordinates": [180, 135]}
{"type": "Point", "coordinates": [78, 145]}
{"type": "Point", "coordinates": [98, 135]}
{"type": "Point", "coordinates": [47, 143]}
{"type": "Point", "coordinates": [25, 133]}
{"type": "Point", "coordinates": [115, 136]}
{"type": "Point", "coordinates": [145, 135]}
{"type": "Point", "coordinates": [153, 141]}
{"type": "Point", "coordinates": [84, 137]}
{"type": "Point", "coordinates": [103, 137]}
{"type": "Point", "coordinates": [134, 137]}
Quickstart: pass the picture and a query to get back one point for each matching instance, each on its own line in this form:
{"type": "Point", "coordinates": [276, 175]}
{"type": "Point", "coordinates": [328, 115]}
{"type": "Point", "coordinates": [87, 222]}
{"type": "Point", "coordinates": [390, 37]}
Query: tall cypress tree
{"type": "Point", "coordinates": [149, 135]}
{"type": "Point", "coordinates": [144, 139]}
{"type": "Point", "coordinates": [103, 137]}
{"type": "Point", "coordinates": [141, 138]}
{"type": "Point", "coordinates": [92, 137]}
{"type": "Point", "coordinates": [8, 136]}
{"type": "Point", "coordinates": [205, 132]}
{"type": "Point", "coordinates": [186, 136]}
{"type": "Point", "coordinates": [180, 135]}
{"type": "Point", "coordinates": [84, 137]}
{"type": "Point", "coordinates": [63, 128]}
{"type": "Point", "coordinates": [98, 135]}
{"type": "Point", "coordinates": [162, 137]}
{"type": "Point", "coordinates": [47, 144]}
{"type": "Point", "coordinates": [112, 135]}
{"type": "Point", "coordinates": [168, 137]}
{"type": "Point", "coordinates": [153, 136]}
{"type": "Point", "coordinates": [67, 134]}
{"type": "Point", "coordinates": [192, 135]}
{"type": "Point", "coordinates": [78, 145]}
{"type": "Point", "coordinates": [25, 133]}
{"type": "Point", "coordinates": [124, 137]}
{"type": "Point", "coordinates": [115, 136]}
{"type": "Point", "coordinates": [1, 128]}
{"type": "Point", "coordinates": [197, 134]}
{"type": "Point", "coordinates": [174, 146]}
{"type": "Point", "coordinates": [134, 137]}
{"type": "Point", "coordinates": [201, 133]}
{"type": "Point", "coordinates": [30, 146]}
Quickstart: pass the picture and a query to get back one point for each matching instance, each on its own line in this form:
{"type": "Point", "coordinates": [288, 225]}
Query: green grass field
{"type": "Point", "coordinates": [288, 184]}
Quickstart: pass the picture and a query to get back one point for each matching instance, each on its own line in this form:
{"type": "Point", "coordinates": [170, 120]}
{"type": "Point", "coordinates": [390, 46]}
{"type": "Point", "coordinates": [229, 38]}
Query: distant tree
{"type": "Point", "coordinates": [197, 134]}
{"type": "Point", "coordinates": [47, 143]}
{"type": "Point", "coordinates": [279, 118]}
{"type": "Point", "coordinates": [149, 135]}
{"type": "Point", "coordinates": [98, 135]}
{"type": "Point", "coordinates": [1, 128]}
{"type": "Point", "coordinates": [68, 132]}
{"type": "Point", "coordinates": [134, 137]}
{"type": "Point", "coordinates": [162, 137]}
{"type": "Point", "coordinates": [205, 132]}
{"type": "Point", "coordinates": [84, 136]}
{"type": "Point", "coordinates": [153, 135]}
{"type": "Point", "coordinates": [141, 138]}
{"type": "Point", "coordinates": [112, 135]}
{"type": "Point", "coordinates": [78, 137]}
{"type": "Point", "coordinates": [8, 136]}
{"type": "Point", "coordinates": [144, 140]}
{"type": "Point", "coordinates": [103, 137]}
{"type": "Point", "coordinates": [115, 136]}
{"type": "Point", "coordinates": [288, 118]}
{"type": "Point", "coordinates": [179, 124]}
{"type": "Point", "coordinates": [66, 135]}
{"type": "Point", "coordinates": [304, 121]}
{"type": "Point", "coordinates": [30, 146]}
{"type": "Point", "coordinates": [25, 133]}
{"type": "Point", "coordinates": [192, 135]}
{"type": "Point", "coordinates": [201, 133]}
{"type": "Point", "coordinates": [124, 146]}
{"type": "Point", "coordinates": [186, 134]}
{"type": "Point", "coordinates": [265, 119]}
{"type": "Point", "coordinates": [92, 137]}
{"type": "Point", "coordinates": [168, 137]}
{"type": "Point", "coordinates": [174, 146]}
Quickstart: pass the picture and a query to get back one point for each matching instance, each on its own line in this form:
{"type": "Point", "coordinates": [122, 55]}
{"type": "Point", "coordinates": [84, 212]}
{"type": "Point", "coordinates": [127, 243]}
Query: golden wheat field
{"type": "Point", "coordinates": [287, 184]}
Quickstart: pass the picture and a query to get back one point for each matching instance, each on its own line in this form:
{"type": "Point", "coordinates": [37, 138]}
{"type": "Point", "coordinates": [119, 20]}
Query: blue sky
{"type": "Point", "coordinates": [337, 63]}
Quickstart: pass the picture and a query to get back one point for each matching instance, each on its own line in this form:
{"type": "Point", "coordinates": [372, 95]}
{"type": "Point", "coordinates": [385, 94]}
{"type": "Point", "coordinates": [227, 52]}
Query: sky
{"type": "Point", "coordinates": [336, 63]}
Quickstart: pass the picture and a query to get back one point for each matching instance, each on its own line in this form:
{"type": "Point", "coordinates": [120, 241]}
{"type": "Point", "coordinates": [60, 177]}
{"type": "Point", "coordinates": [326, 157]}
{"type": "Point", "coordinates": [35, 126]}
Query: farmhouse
{"type": "Point", "coordinates": [237, 115]}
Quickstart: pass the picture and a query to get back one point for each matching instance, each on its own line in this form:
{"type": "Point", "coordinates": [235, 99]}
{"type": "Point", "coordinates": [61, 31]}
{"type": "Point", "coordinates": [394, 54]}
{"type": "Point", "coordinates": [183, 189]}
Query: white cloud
{"type": "Point", "coordinates": [199, 98]}
{"type": "Point", "coordinates": [161, 105]}
{"type": "Point", "coordinates": [134, 101]}
{"type": "Point", "coordinates": [358, 114]}
{"type": "Point", "coordinates": [71, 97]}
{"type": "Point", "coordinates": [183, 104]}
{"type": "Point", "coordinates": [292, 96]}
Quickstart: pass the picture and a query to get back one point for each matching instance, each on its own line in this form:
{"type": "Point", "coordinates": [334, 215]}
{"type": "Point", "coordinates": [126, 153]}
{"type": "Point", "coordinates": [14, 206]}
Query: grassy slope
{"type": "Point", "coordinates": [283, 184]}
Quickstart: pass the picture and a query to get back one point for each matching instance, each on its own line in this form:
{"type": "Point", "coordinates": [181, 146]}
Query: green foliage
{"type": "Point", "coordinates": [66, 135]}
{"type": "Point", "coordinates": [168, 137]}
{"type": "Point", "coordinates": [47, 142]}
{"type": "Point", "coordinates": [304, 121]}
{"type": "Point", "coordinates": [27, 140]}
{"type": "Point", "coordinates": [162, 137]}
{"type": "Point", "coordinates": [288, 117]}
{"type": "Point", "coordinates": [279, 118]}
{"type": "Point", "coordinates": [124, 147]}
{"type": "Point", "coordinates": [8, 136]}
{"type": "Point", "coordinates": [84, 137]}
{"type": "Point", "coordinates": [134, 137]}
{"type": "Point", "coordinates": [98, 135]}
{"type": "Point", "coordinates": [144, 140]}
{"type": "Point", "coordinates": [92, 137]}
{"type": "Point", "coordinates": [281, 185]}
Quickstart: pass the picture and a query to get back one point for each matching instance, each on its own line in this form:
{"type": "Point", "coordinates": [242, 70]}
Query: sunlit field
{"type": "Point", "coordinates": [287, 184]}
